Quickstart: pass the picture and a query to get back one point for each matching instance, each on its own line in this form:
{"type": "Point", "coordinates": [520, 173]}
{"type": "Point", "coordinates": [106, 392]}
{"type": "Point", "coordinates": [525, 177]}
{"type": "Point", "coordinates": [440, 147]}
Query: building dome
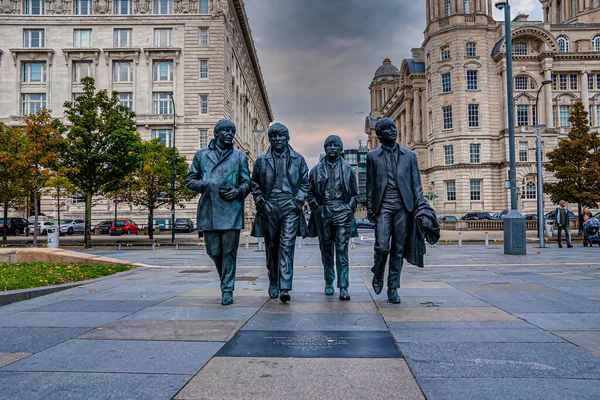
{"type": "Point", "coordinates": [387, 69]}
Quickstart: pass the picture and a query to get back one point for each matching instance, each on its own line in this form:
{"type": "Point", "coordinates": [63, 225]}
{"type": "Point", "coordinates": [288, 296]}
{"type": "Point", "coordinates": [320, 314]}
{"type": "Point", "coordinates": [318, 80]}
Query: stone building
{"type": "Point", "coordinates": [201, 51]}
{"type": "Point", "coordinates": [450, 105]}
{"type": "Point", "coordinates": [357, 158]}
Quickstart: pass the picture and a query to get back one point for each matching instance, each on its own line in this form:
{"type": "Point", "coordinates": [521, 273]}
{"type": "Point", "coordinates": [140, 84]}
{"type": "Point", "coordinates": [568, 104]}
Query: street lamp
{"type": "Point", "coordinates": [259, 135]}
{"type": "Point", "coordinates": [539, 131]}
{"type": "Point", "coordinates": [515, 238]}
{"type": "Point", "coordinates": [172, 175]}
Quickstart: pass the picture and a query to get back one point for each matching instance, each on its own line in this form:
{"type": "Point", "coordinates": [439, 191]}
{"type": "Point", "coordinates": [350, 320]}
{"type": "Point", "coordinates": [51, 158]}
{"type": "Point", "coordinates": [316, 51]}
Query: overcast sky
{"type": "Point", "coordinates": [318, 58]}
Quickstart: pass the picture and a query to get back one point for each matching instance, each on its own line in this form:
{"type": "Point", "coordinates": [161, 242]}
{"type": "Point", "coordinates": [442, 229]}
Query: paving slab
{"type": "Point", "coordinates": [9, 358]}
{"type": "Point", "coordinates": [503, 287]}
{"type": "Point", "coordinates": [506, 388]}
{"type": "Point", "coordinates": [500, 360]}
{"type": "Point", "coordinates": [446, 314]}
{"type": "Point", "coordinates": [126, 356]}
{"type": "Point", "coordinates": [71, 386]}
{"type": "Point", "coordinates": [543, 302]}
{"type": "Point", "coordinates": [95, 306]}
{"type": "Point", "coordinates": [195, 313]}
{"type": "Point", "coordinates": [330, 322]}
{"type": "Point", "coordinates": [563, 321]}
{"type": "Point", "coordinates": [59, 319]}
{"type": "Point", "coordinates": [433, 301]}
{"type": "Point", "coordinates": [361, 296]}
{"type": "Point", "coordinates": [216, 292]}
{"type": "Point", "coordinates": [339, 307]}
{"type": "Point", "coordinates": [196, 301]}
{"type": "Point", "coordinates": [588, 340]}
{"type": "Point", "coordinates": [302, 378]}
{"type": "Point", "coordinates": [207, 331]}
{"type": "Point", "coordinates": [33, 340]}
{"type": "Point", "coordinates": [149, 296]}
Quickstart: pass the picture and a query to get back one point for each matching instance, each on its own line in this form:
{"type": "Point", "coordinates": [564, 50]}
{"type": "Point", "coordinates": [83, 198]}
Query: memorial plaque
{"type": "Point", "coordinates": [311, 344]}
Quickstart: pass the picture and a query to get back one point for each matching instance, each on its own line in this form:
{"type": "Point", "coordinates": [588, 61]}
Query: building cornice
{"type": "Point", "coordinates": [122, 53]}
{"type": "Point", "coordinates": [32, 53]}
{"type": "Point", "coordinates": [82, 53]}
{"type": "Point", "coordinates": [162, 53]}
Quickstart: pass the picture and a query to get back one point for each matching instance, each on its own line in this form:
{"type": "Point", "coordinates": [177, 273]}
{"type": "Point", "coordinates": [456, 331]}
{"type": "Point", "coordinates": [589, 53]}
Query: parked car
{"type": "Point", "coordinates": [104, 226]}
{"type": "Point", "coordinates": [184, 224]}
{"type": "Point", "coordinates": [364, 223]}
{"type": "Point", "coordinates": [70, 226]}
{"type": "Point", "coordinates": [477, 216]}
{"type": "Point", "coordinates": [125, 226]}
{"type": "Point", "coordinates": [447, 218]}
{"type": "Point", "coordinates": [13, 226]}
{"type": "Point", "coordinates": [43, 227]}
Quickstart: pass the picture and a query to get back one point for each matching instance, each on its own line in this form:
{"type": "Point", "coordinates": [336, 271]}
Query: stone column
{"type": "Point", "coordinates": [409, 124]}
{"type": "Point", "coordinates": [403, 128]}
{"type": "Point", "coordinates": [548, 99]}
{"type": "Point", "coordinates": [585, 96]}
{"type": "Point", "coordinates": [490, 8]}
{"type": "Point", "coordinates": [398, 125]}
{"type": "Point", "coordinates": [428, 10]}
{"type": "Point", "coordinates": [417, 117]}
{"type": "Point", "coordinates": [424, 117]}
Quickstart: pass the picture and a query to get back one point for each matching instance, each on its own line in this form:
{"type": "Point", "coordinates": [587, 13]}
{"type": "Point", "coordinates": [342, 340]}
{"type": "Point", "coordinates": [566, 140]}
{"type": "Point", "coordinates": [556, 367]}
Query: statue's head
{"type": "Point", "coordinates": [386, 130]}
{"type": "Point", "coordinates": [334, 147]}
{"type": "Point", "coordinates": [224, 133]}
{"type": "Point", "coordinates": [279, 136]}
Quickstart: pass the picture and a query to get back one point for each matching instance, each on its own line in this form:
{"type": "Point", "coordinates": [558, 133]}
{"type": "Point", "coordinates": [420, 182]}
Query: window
{"type": "Point", "coordinates": [596, 43]}
{"type": "Point", "coordinates": [162, 103]}
{"type": "Point", "coordinates": [447, 115]}
{"type": "Point", "coordinates": [523, 151]}
{"type": "Point", "coordinates": [475, 153]}
{"type": "Point", "coordinates": [33, 38]}
{"type": "Point", "coordinates": [163, 6]}
{"type": "Point", "coordinates": [165, 136]}
{"type": "Point", "coordinates": [163, 71]}
{"type": "Point", "coordinates": [445, 52]}
{"type": "Point", "coordinates": [562, 81]}
{"type": "Point", "coordinates": [126, 99]}
{"type": "Point", "coordinates": [203, 69]}
{"type": "Point", "coordinates": [122, 37]}
{"type": "Point", "coordinates": [81, 69]}
{"type": "Point", "coordinates": [163, 37]}
{"type": "Point", "coordinates": [446, 83]}
{"type": "Point", "coordinates": [473, 115]}
{"type": "Point", "coordinates": [521, 83]}
{"type": "Point", "coordinates": [34, 72]}
{"type": "Point", "coordinates": [82, 38]}
{"type": "Point", "coordinates": [430, 122]}
{"type": "Point", "coordinates": [123, 7]}
{"type": "Point", "coordinates": [597, 81]}
{"type": "Point", "coordinates": [467, 6]}
{"type": "Point", "coordinates": [203, 36]}
{"type": "Point", "coordinates": [472, 83]}
{"type": "Point", "coordinates": [451, 191]}
{"type": "Point", "coordinates": [447, 8]}
{"type": "Point", "coordinates": [33, 102]}
{"type": "Point", "coordinates": [448, 155]}
{"type": "Point", "coordinates": [380, 98]}
{"type": "Point", "coordinates": [573, 81]}
{"type": "Point", "coordinates": [534, 119]}
{"type": "Point", "coordinates": [530, 191]}
{"type": "Point", "coordinates": [83, 7]}
{"type": "Point", "coordinates": [35, 7]}
{"type": "Point", "coordinates": [123, 71]}
{"type": "Point", "coordinates": [77, 95]}
{"type": "Point", "coordinates": [471, 49]}
{"type": "Point", "coordinates": [77, 198]}
{"type": "Point", "coordinates": [564, 113]}
{"type": "Point", "coordinates": [203, 138]}
{"type": "Point", "coordinates": [203, 104]}
{"type": "Point", "coordinates": [475, 186]}
{"type": "Point", "coordinates": [590, 82]}
{"type": "Point", "coordinates": [203, 6]}
{"type": "Point", "coordinates": [520, 48]}
{"type": "Point", "coordinates": [522, 115]}
{"type": "Point", "coordinates": [563, 44]}
{"type": "Point", "coordinates": [597, 115]}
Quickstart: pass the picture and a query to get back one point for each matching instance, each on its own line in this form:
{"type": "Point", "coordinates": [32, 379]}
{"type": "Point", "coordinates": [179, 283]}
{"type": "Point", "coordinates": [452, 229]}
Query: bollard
{"type": "Point", "coordinates": [352, 244]}
{"type": "Point", "coordinates": [487, 239]}
{"type": "Point", "coordinates": [153, 244]}
{"type": "Point", "coordinates": [176, 246]}
{"type": "Point", "coordinates": [459, 239]}
{"type": "Point", "coordinates": [300, 242]}
{"type": "Point", "coordinates": [120, 247]}
{"type": "Point", "coordinates": [260, 244]}
{"type": "Point", "coordinates": [247, 242]}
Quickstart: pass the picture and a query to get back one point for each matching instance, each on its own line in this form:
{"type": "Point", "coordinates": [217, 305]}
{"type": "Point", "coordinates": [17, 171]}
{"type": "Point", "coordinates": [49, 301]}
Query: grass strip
{"type": "Point", "coordinates": [31, 275]}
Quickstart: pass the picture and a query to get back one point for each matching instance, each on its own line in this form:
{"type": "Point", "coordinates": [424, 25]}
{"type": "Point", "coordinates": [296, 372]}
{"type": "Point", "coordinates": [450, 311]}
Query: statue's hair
{"type": "Point", "coordinates": [334, 138]}
{"type": "Point", "coordinates": [382, 124]}
{"type": "Point", "coordinates": [278, 128]}
{"type": "Point", "coordinates": [224, 124]}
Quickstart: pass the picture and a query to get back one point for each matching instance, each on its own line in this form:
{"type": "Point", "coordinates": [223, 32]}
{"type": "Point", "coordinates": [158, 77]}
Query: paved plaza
{"type": "Point", "coordinates": [474, 324]}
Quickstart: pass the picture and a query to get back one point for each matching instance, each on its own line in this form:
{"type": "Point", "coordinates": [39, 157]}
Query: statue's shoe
{"type": "Point", "coordinates": [344, 294]}
{"type": "Point", "coordinates": [273, 292]}
{"type": "Point", "coordinates": [377, 285]}
{"type": "Point", "coordinates": [329, 290]}
{"type": "Point", "coordinates": [227, 299]}
{"type": "Point", "coordinates": [284, 296]}
{"type": "Point", "coordinates": [393, 296]}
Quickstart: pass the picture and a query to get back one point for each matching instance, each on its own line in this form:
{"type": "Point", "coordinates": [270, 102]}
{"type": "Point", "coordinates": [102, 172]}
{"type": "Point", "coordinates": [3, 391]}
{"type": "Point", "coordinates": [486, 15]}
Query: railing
{"type": "Point", "coordinates": [490, 225]}
{"type": "Point", "coordinates": [469, 18]}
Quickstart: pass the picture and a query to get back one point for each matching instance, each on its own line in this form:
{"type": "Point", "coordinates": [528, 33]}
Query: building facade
{"type": "Point", "coordinates": [450, 105]}
{"type": "Point", "coordinates": [357, 158]}
{"type": "Point", "coordinates": [200, 51]}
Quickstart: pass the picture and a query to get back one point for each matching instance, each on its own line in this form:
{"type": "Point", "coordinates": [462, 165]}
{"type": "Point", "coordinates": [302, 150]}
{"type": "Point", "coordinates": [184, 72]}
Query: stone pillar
{"type": "Point", "coordinates": [490, 8]}
{"type": "Point", "coordinates": [548, 99]}
{"type": "Point", "coordinates": [409, 124]}
{"type": "Point", "coordinates": [424, 117]}
{"type": "Point", "coordinates": [398, 125]}
{"type": "Point", "coordinates": [403, 128]}
{"type": "Point", "coordinates": [417, 116]}
{"type": "Point", "coordinates": [585, 96]}
{"type": "Point", "coordinates": [428, 10]}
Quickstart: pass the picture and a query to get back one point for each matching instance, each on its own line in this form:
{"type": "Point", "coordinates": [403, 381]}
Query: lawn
{"type": "Point", "coordinates": [30, 275]}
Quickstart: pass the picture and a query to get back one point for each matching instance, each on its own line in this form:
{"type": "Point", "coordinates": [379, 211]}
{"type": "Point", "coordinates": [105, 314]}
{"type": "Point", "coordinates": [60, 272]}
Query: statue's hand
{"type": "Point", "coordinates": [230, 194]}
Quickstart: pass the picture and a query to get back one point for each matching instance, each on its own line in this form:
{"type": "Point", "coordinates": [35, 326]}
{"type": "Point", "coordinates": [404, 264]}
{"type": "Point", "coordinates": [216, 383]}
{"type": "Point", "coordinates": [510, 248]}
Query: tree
{"type": "Point", "coordinates": [59, 189]}
{"type": "Point", "coordinates": [150, 186]}
{"type": "Point", "coordinates": [576, 163]}
{"type": "Point", "coordinates": [12, 170]}
{"type": "Point", "coordinates": [102, 146]}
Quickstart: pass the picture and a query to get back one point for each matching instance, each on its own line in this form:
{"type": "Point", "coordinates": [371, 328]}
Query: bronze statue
{"type": "Point", "coordinates": [333, 198]}
{"type": "Point", "coordinates": [279, 187]}
{"type": "Point", "coordinates": [395, 204]}
{"type": "Point", "coordinates": [220, 173]}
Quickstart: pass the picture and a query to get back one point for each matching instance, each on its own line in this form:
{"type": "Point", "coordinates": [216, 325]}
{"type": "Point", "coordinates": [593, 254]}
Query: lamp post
{"type": "Point", "coordinates": [259, 135]}
{"type": "Point", "coordinates": [539, 131]}
{"type": "Point", "coordinates": [172, 175]}
{"type": "Point", "coordinates": [515, 238]}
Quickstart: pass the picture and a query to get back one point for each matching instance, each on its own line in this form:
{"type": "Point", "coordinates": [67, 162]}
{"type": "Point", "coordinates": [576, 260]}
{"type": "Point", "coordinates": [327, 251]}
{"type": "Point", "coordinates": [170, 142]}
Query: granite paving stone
{"type": "Point", "coordinates": [445, 314]}
{"type": "Point", "coordinates": [563, 321]}
{"type": "Point", "coordinates": [339, 307]}
{"type": "Point", "coordinates": [433, 301]}
{"type": "Point", "coordinates": [59, 319]}
{"type": "Point", "coordinates": [543, 302]}
{"type": "Point", "coordinates": [9, 358]}
{"type": "Point", "coordinates": [128, 356]}
{"type": "Point", "coordinates": [500, 360]}
{"type": "Point", "coordinates": [196, 301]}
{"type": "Point", "coordinates": [195, 313]}
{"type": "Point", "coordinates": [588, 340]}
{"type": "Point", "coordinates": [314, 378]}
{"type": "Point", "coordinates": [33, 340]}
{"type": "Point", "coordinates": [71, 386]}
{"type": "Point", "coordinates": [504, 287]}
{"type": "Point", "coordinates": [149, 296]}
{"type": "Point", "coordinates": [96, 305]}
{"type": "Point", "coordinates": [327, 322]}
{"type": "Point", "coordinates": [362, 296]}
{"type": "Point", "coordinates": [216, 293]}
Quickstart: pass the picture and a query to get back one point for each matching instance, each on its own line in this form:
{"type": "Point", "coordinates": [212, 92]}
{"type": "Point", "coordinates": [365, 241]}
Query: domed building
{"type": "Point", "coordinates": [450, 105]}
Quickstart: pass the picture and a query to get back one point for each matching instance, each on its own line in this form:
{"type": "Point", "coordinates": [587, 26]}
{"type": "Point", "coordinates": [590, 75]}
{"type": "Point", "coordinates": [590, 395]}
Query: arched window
{"type": "Point", "coordinates": [467, 6]}
{"type": "Point", "coordinates": [596, 43]}
{"type": "Point", "coordinates": [447, 8]}
{"type": "Point", "coordinates": [563, 44]}
{"type": "Point", "coordinates": [523, 82]}
{"type": "Point", "coordinates": [530, 191]}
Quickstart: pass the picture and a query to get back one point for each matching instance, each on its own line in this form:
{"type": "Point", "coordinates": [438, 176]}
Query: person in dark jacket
{"type": "Point", "coordinates": [562, 221]}
{"type": "Point", "coordinates": [279, 187]}
{"type": "Point", "coordinates": [394, 193]}
{"type": "Point", "coordinates": [333, 198]}
{"type": "Point", "coordinates": [220, 174]}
